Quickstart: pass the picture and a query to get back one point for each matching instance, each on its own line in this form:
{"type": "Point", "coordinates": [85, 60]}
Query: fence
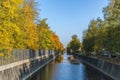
{"type": "Point", "coordinates": [18, 55]}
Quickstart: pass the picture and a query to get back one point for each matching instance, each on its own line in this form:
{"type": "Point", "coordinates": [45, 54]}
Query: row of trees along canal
{"type": "Point", "coordinates": [101, 34]}
{"type": "Point", "coordinates": [104, 34]}
{"type": "Point", "coordinates": [18, 28]}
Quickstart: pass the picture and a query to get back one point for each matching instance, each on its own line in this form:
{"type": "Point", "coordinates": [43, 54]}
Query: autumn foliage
{"type": "Point", "coordinates": [19, 30]}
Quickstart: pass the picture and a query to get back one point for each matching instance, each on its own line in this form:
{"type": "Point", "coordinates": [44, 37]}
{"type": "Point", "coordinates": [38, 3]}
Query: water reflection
{"type": "Point", "coordinates": [62, 69]}
{"type": "Point", "coordinates": [68, 71]}
{"type": "Point", "coordinates": [59, 59]}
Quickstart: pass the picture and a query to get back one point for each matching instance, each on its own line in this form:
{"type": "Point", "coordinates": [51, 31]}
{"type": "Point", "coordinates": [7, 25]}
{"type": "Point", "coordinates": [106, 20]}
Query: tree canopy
{"type": "Point", "coordinates": [74, 45]}
{"type": "Point", "coordinates": [19, 30]}
{"type": "Point", "coordinates": [104, 34]}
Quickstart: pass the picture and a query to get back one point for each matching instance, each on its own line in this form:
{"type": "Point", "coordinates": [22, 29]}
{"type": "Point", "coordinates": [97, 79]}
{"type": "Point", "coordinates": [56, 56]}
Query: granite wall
{"type": "Point", "coordinates": [109, 69]}
{"type": "Point", "coordinates": [23, 66]}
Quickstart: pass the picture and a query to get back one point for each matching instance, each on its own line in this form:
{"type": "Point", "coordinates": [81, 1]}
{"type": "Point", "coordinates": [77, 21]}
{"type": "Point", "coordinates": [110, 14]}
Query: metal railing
{"type": "Point", "coordinates": [19, 55]}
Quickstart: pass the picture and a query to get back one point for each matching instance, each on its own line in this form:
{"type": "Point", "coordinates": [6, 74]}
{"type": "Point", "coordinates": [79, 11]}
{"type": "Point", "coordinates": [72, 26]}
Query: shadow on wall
{"type": "Point", "coordinates": [34, 63]}
{"type": "Point", "coordinates": [24, 71]}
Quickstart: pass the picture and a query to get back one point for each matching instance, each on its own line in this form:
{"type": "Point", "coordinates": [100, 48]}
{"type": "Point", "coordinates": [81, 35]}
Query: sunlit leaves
{"type": "Point", "coordinates": [112, 16]}
{"type": "Point", "coordinates": [112, 13]}
{"type": "Point", "coordinates": [8, 26]}
{"type": "Point", "coordinates": [19, 30]}
{"type": "Point", "coordinates": [106, 36]}
{"type": "Point", "coordinates": [29, 27]}
{"type": "Point", "coordinates": [56, 44]}
{"type": "Point", "coordinates": [48, 39]}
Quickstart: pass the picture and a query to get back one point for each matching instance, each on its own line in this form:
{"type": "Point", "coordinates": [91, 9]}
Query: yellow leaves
{"type": "Point", "coordinates": [1, 54]}
{"type": "Point", "coordinates": [48, 39]}
{"type": "Point", "coordinates": [57, 45]}
{"type": "Point", "coordinates": [18, 28]}
{"type": "Point", "coordinates": [5, 4]}
{"type": "Point", "coordinates": [32, 38]}
{"type": "Point", "coordinates": [9, 30]}
{"type": "Point", "coordinates": [17, 2]}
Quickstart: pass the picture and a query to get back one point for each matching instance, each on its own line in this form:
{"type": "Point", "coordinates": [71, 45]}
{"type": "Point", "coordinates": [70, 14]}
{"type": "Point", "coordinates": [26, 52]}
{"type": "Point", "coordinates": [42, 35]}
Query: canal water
{"type": "Point", "coordinates": [62, 69]}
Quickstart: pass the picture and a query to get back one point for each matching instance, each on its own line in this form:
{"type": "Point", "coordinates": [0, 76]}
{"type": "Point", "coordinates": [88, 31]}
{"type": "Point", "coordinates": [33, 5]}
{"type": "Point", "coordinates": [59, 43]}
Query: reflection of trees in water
{"type": "Point", "coordinates": [60, 59]}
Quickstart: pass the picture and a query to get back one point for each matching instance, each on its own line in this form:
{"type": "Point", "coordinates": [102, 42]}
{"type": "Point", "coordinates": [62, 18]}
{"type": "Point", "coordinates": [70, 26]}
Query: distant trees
{"type": "Point", "coordinates": [74, 45]}
{"type": "Point", "coordinates": [104, 34]}
{"type": "Point", "coordinates": [19, 30]}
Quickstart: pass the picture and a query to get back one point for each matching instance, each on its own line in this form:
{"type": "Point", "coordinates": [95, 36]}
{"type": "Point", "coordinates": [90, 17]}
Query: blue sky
{"type": "Point", "coordinates": [68, 17]}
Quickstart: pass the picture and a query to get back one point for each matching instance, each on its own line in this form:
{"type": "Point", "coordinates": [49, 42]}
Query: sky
{"type": "Point", "coordinates": [69, 17]}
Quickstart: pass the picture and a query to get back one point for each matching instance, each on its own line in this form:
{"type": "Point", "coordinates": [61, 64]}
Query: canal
{"type": "Point", "coordinates": [62, 69]}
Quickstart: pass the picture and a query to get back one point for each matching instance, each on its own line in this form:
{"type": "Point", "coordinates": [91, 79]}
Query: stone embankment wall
{"type": "Point", "coordinates": [24, 63]}
{"type": "Point", "coordinates": [109, 69]}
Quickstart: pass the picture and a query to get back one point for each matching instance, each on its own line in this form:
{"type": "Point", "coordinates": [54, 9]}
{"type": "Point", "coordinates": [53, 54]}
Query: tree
{"type": "Point", "coordinates": [47, 38]}
{"type": "Point", "coordinates": [56, 44]}
{"type": "Point", "coordinates": [18, 29]}
{"type": "Point", "coordinates": [74, 44]}
{"type": "Point", "coordinates": [104, 34]}
{"type": "Point", "coordinates": [44, 35]}
{"type": "Point", "coordinates": [90, 36]}
{"type": "Point", "coordinates": [112, 13]}
{"type": "Point", "coordinates": [95, 38]}
{"type": "Point", "coordinates": [112, 18]}
{"type": "Point", "coordinates": [9, 28]}
{"type": "Point", "coordinates": [101, 37]}
{"type": "Point", "coordinates": [29, 27]}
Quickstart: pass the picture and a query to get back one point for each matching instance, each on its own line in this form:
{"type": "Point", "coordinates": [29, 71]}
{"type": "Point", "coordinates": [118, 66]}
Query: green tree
{"type": "Point", "coordinates": [112, 18]}
{"type": "Point", "coordinates": [74, 44]}
{"type": "Point", "coordinates": [104, 34]}
{"type": "Point", "coordinates": [101, 37]}
{"type": "Point", "coordinates": [95, 37]}
{"type": "Point", "coordinates": [112, 13]}
{"type": "Point", "coordinates": [90, 36]}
